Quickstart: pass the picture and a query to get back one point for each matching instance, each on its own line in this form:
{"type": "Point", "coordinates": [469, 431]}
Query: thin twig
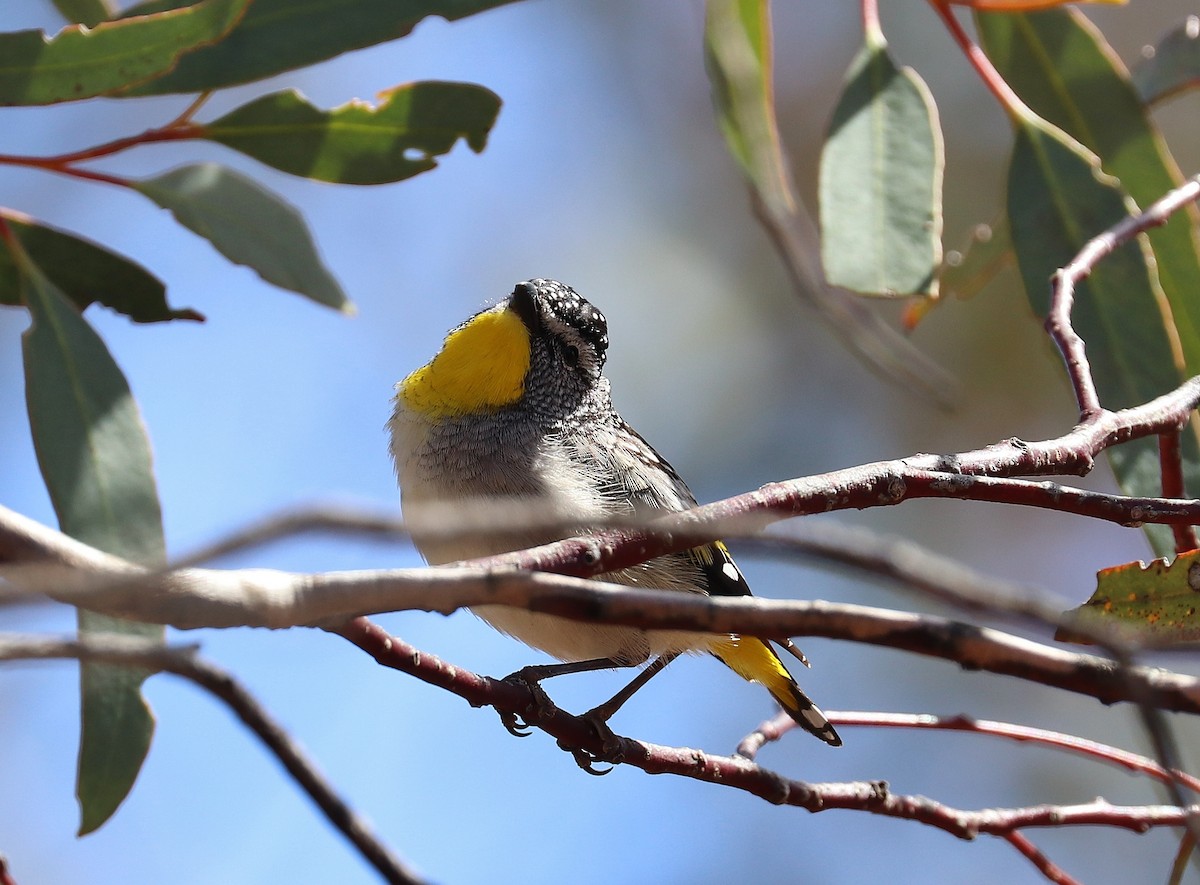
{"type": "Point", "coordinates": [1047, 867]}
{"type": "Point", "coordinates": [221, 684]}
{"type": "Point", "coordinates": [1170, 457]}
{"type": "Point", "coordinates": [1058, 321]}
{"type": "Point", "coordinates": [776, 727]}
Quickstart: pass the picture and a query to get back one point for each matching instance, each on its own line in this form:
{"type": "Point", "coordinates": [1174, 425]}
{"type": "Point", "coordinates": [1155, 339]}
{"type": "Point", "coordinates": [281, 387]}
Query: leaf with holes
{"type": "Point", "coordinates": [248, 225]}
{"type": "Point", "coordinates": [358, 143]}
{"type": "Point", "coordinates": [1159, 600]}
{"type": "Point", "coordinates": [85, 12]}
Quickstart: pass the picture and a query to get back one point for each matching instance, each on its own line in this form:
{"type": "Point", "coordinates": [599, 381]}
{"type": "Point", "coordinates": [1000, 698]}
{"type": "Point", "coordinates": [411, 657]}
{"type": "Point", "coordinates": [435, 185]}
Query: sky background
{"type": "Point", "coordinates": [605, 170]}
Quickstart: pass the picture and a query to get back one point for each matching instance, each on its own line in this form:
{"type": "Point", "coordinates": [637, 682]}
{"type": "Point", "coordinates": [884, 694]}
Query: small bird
{"type": "Point", "coordinates": [515, 408]}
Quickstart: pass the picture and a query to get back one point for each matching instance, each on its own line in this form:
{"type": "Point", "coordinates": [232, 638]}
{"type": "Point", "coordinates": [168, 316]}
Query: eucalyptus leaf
{"type": "Point", "coordinates": [881, 180]}
{"type": "Point", "coordinates": [86, 273]}
{"type": "Point", "coordinates": [1058, 199]}
{"type": "Point", "coordinates": [85, 12]}
{"type": "Point", "coordinates": [281, 35]}
{"type": "Point", "coordinates": [81, 62]}
{"type": "Point", "coordinates": [358, 143]}
{"type": "Point", "coordinates": [95, 458]}
{"type": "Point", "coordinates": [248, 225]}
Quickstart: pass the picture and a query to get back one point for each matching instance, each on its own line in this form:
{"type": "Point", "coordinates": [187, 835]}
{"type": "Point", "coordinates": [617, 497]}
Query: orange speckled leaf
{"type": "Point", "coordinates": [1159, 600]}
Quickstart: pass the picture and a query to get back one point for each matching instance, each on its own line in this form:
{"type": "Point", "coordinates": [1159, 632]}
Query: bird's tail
{"type": "Point", "coordinates": [755, 661]}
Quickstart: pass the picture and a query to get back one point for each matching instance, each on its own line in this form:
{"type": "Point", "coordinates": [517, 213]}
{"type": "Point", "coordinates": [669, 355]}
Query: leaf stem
{"type": "Point", "coordinates": [983, 66]}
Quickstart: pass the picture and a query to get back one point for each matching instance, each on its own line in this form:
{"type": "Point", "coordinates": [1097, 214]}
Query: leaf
{"type": "Point", "coordinates": [94, 455]}
{"type": "Point", "coordinates": [1173, 66]}
{"type": "Point", "coordinates": [1061, 67]}
{"type": "Point", "coordinates": [1157, 601]}
{"type": "Point", "coordinates": [86, 12]}
{"type": "Point", "coordinates": [881, 180]}
{"type": "Point", "coordinates": [80, 63]}
{"type": "Point", "coordinates": [248, 225]}
{"type": "Point", "coordinates": [86, 273]}
{"type": "Point", "coordinates": [1058, 199]}
{"type": "Point", "coordinates": [281, 35]}
{"type": "Point", "coordinates": [357, 143]}
{"type": "Point", "coordinates": [737, 56]}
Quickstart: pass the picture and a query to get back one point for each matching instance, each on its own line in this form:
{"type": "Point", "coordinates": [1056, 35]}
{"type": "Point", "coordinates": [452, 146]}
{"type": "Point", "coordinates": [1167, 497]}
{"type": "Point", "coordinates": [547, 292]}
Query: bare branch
{"type": "Point", "coordinates": [1058, 321]}
{"type": "Point", "coordinates": [184, 662]}
{"type": "Point", "coordinates": [776, 727]}
{"type": "Point", "coordinates": [579, 735]}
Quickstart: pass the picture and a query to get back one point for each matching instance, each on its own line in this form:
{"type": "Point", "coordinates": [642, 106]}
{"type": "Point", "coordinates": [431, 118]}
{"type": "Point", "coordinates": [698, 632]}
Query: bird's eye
{"type": "Point", "coordinates": [571, 355]}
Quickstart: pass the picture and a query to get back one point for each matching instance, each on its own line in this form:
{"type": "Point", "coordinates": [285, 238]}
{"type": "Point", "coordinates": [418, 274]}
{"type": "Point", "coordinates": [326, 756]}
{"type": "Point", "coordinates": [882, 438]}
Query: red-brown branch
{"type": "Point", "coordinates": [580, 736]}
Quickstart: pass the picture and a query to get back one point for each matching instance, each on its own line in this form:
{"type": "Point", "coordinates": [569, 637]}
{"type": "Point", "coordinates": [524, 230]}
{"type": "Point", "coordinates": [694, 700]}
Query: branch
{"type": "Point", "coordinates": [1058, 321]}
{"type": "Point", "coordinates": [259, 597]}
{"type": "Point", "coordinates": [776, 727]}
{"type": "Point", "coordinates": [579, 735]}
{"type": "Point", "coordinates": [184, 662]}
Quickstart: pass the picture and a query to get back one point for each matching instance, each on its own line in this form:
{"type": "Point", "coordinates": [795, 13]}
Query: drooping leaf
{"type": "Point", "coordinates": [85, 12]}
{"type": "Point", "coordinates": [79, 62]}
{"type": "Point", "coordinates": [86, 273]}
{"type": "Point", "coordinates": [95, 458]}
{"type": "Point", "coordinates": [1058, 199]}
{"type": "Point", "coordinates": [1160, 600]}
{"type": "Point", "coordinates": [1060, 65]}
{"type": "Point", "coordinates": [737, 56]}
{"type": "Point", "coordinates": [358, 143]}
{"type": "Point", "coordinates": [881, 180]}
{"type": "Point", "coordinates": [1173, 67]}
{"type": "Point", "coordinates": [248, 225]}
{"type": "Point", "coordinates": [281, 35]}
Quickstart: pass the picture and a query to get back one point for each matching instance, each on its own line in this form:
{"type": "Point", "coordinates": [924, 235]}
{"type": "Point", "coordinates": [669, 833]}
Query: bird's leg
{"type": "Point", "coordinates": [605, 711]}
{"type": "Point", "coordinates": [599, 716]}
{"type": "Point", "coordinates": [532, 676]}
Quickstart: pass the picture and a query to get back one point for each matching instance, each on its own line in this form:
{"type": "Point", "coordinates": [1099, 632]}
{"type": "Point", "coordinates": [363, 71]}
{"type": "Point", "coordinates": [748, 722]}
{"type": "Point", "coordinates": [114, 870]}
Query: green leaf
{"type": "Point", "coordinates": [1060, 65]}
{"type": "Point", "coordinates": [358, 143]}
{"type": "Point", "coordinates": [82, 63]}
{"type": "Point", "coordinates": [86, 12]}
{"type": "Point", "coordinates": [281, 35]}
{"type": "Point", "coordinates": [881, 180]}
{"type": "Point", "coordinates": [86, 273]}
{"type": "Point", "coordinates": [94, 455]}
{"type": "Point", "coordinates": [248, 225]}
{"type": "Point", "coordinates": [1156, 601]}
{"type": "Point", "coordinates": [1058, 199]}
{"type": "Point", "coordinates": [737, 56]}
{"type": "Point", "coordinates": [1173, 67]}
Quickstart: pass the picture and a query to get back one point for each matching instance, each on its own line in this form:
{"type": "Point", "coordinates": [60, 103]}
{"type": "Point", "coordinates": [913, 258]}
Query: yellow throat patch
{"type": "Point", "coordinates": [481, 368]}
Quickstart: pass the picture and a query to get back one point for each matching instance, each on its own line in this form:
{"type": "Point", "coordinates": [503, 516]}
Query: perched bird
{"type": "Point", "coordinates": [515, 408]}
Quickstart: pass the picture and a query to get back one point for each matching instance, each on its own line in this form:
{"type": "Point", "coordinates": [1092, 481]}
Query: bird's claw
{"type": "Point", "coordinates": [610, 752]}
{"type": "Point", "coordinates": [540, 707]}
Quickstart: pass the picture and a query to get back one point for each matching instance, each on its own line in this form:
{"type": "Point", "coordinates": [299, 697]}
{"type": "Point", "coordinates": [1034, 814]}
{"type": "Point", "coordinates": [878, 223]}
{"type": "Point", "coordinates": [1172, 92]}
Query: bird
{"type": "Point", "coordinates": [515, 407]}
